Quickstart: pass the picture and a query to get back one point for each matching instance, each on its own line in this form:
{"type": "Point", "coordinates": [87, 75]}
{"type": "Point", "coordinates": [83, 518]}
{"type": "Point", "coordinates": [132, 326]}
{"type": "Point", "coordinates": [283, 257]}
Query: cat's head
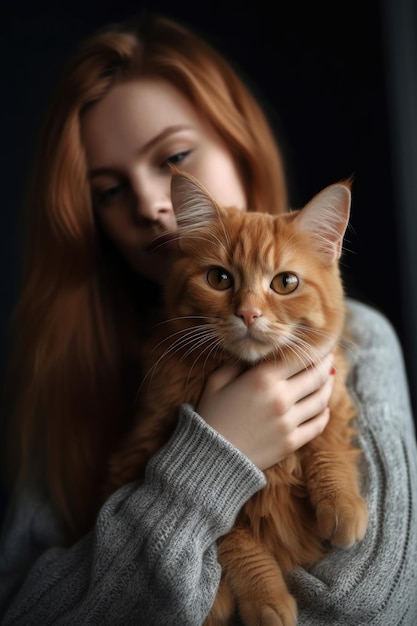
{"type": "Point", "coordinates": [259, 284]}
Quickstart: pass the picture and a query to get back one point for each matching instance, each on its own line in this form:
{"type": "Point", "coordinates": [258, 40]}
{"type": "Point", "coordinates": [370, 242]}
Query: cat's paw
{"type": "Point", "coordinates": [284, 614]}
{"type": "Point", "coordinates": [343, 521]}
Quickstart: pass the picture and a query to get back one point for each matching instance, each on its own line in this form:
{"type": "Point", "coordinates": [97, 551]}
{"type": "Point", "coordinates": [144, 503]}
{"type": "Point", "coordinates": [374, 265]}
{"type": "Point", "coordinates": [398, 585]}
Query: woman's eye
{"type": "Point", "coordinates": [284, 283]}
{"type": "Point", "coordinates": [174, 159]}
{"type": "Point", "coordinates": [219, 278]}
{"type": "Point", "coordinates": [106, 196]}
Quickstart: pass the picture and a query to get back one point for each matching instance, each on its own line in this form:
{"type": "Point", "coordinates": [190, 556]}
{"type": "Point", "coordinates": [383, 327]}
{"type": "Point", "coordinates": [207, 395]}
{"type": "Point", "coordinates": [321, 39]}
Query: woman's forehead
{"type": "Point", "coordinates": [137, 110]}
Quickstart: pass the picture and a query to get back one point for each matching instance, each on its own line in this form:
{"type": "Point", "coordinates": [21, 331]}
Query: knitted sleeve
{"type": "Point", "coordinates": [374, 583]}
{"type": "Point", "coordinates": [151, 558]}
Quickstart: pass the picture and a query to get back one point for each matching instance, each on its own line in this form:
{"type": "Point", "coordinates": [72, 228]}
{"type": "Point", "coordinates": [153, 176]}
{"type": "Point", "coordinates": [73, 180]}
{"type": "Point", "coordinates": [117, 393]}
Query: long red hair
{"type": "Point", "coordinates": [78, 318]}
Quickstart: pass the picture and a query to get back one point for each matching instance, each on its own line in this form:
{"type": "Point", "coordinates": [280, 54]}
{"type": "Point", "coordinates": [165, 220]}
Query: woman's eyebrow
{"type": "Point", "coordinates": [102, 171]}
{"type": "Point", "coordinates": [166, 132]}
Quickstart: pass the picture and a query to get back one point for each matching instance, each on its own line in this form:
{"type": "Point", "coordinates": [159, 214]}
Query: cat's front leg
{"type": "Point", "coordinates": [255, 580]}
{"type": "Point", "coordinates": [223, 608]}
{"type": "Point", "coordinates": [341, 511]}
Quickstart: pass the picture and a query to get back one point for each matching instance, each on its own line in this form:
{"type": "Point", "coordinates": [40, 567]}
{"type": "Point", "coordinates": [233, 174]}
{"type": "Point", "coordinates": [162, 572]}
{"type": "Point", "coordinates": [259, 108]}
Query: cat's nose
{"type": "Point", "coordinates": [249, 315]}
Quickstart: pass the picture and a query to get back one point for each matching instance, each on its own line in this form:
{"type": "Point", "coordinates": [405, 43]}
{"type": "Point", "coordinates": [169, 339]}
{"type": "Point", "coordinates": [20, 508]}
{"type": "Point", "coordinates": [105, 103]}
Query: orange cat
{"type": "Point", "coordinates": [252, 286]}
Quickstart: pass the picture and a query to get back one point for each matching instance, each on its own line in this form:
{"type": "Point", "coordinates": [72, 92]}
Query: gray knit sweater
{"type": "Point", "coordinates": [151, 558]}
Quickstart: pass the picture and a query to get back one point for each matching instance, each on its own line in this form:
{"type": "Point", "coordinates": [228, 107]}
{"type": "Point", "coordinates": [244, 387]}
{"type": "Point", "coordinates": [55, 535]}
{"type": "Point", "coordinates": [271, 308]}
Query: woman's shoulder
{"type": "Point", "coordinates": [378, 375]}
{"type": "Point", "coordinates": [372, 340]}
{"type": "Point", "coordinates": [369, 326]}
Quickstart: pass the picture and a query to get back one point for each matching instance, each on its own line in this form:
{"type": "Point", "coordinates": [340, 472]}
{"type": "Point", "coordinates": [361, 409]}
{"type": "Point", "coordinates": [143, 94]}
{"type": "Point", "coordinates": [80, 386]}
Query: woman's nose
{"type": "Point", "coordinates": [153, 198]}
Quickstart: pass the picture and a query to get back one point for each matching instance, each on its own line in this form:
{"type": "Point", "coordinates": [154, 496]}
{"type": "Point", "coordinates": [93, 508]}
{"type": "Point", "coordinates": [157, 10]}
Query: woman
{"type": "Point", "coordinates": [134, 100]}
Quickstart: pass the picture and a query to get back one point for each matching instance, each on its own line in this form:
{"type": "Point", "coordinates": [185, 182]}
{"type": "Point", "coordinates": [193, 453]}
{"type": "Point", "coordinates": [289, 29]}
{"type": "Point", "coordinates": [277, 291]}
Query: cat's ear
{"type": "Point", "coordinates": [192, 203]}
{"type": "Point", "coordinates": [327, 215]}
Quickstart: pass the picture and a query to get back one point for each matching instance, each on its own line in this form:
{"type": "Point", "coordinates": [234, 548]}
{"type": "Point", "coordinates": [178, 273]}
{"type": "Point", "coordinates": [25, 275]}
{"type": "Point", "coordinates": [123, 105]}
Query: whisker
{"type": "Point", "coordinates": [210, 348]}
{"type": "Point", "coordinates": [195, 336]}
{"type": "Point", "coordinates": [179, 318]}
{"type": "Point", "coordinates": [186, 335]}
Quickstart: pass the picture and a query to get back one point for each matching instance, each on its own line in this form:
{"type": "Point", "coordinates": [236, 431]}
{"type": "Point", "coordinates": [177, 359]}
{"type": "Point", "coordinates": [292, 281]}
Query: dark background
{"type": "Point", "coordinates": [337, 80]}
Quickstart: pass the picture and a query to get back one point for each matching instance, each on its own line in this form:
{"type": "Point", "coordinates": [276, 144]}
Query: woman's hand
{"type": "Point", "coordinates": [268, 411]}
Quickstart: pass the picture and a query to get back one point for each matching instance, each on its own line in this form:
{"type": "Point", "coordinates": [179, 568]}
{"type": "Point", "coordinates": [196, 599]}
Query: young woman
{"type": "Point", "coordinates": [134, 100]}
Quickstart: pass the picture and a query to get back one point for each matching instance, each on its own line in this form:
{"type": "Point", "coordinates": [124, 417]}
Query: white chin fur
{"type": "Point", "coordinates": [252, 354]}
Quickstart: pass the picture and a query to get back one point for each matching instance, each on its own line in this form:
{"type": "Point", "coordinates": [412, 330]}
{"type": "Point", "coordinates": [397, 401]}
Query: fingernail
{"type": "Point", "coordinates": [332, 371]}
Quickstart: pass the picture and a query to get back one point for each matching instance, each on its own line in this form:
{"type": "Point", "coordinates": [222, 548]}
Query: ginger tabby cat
{"type": "Point", "coordinates": [248, 286]}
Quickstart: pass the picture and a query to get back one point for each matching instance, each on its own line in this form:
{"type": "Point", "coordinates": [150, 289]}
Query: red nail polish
{"type": "Point", "coordinates": [332, 371]}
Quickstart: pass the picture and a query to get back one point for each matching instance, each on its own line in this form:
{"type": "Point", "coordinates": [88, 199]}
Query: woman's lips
{"type": "Point", "coordinates": [163, 243]}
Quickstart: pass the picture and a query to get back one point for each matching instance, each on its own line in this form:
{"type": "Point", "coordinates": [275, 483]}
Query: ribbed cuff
{"type": "Point", "coordinates": [205, 470]}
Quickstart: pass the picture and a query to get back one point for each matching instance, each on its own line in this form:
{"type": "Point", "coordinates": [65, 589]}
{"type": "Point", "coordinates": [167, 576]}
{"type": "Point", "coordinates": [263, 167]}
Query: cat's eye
{"type": "Point", "coordinates": [219, 278]}
{"type": "Point", "coordinates": [284, 283]}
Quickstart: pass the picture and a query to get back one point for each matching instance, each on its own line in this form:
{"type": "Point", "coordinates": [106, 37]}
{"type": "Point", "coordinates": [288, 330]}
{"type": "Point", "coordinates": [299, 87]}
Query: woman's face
{"type": "Point", "coordinates": [130, 137]}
